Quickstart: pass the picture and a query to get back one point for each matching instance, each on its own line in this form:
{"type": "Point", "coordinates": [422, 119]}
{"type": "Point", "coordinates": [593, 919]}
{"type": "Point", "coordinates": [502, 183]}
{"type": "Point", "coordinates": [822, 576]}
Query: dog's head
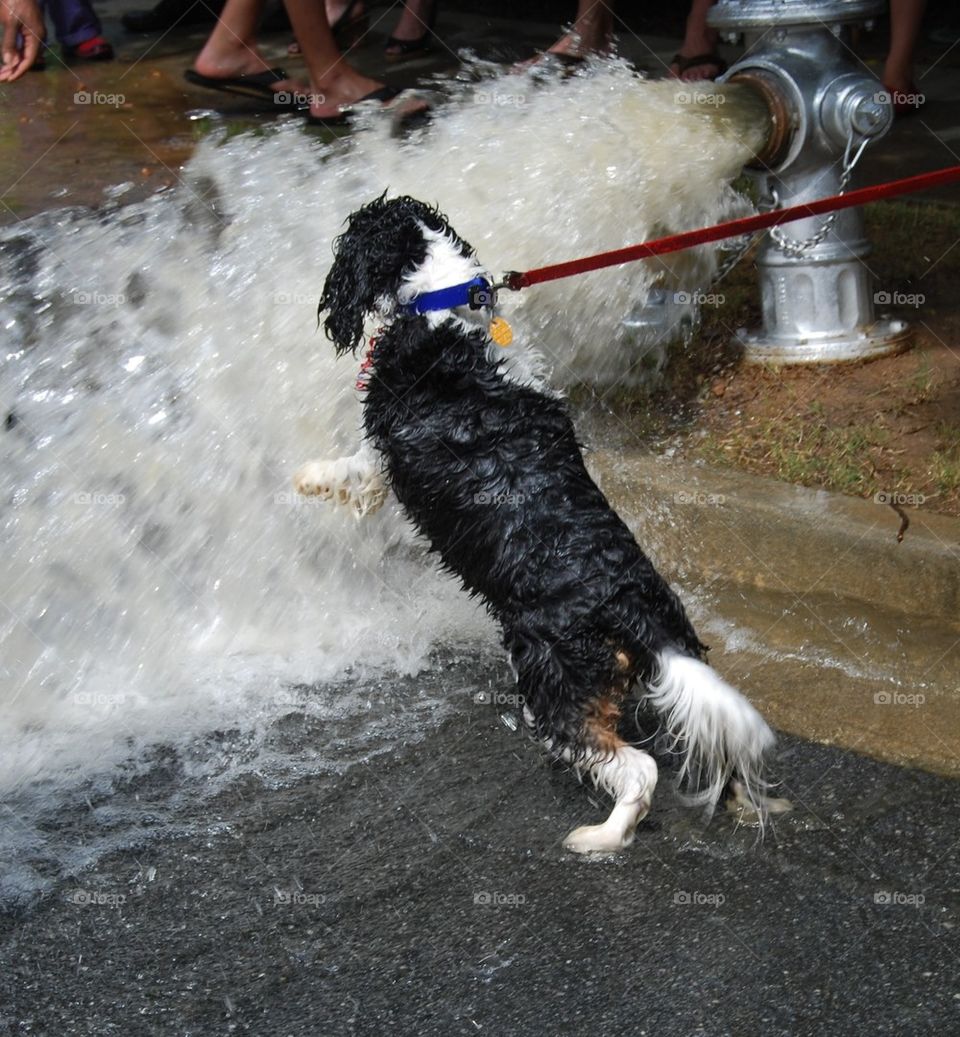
{"type": "Point", "coordinates": [385, 242]}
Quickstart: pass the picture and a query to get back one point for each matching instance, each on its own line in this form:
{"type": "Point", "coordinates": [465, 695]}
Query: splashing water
{"type": "Point", "coordinates": [162, 378]}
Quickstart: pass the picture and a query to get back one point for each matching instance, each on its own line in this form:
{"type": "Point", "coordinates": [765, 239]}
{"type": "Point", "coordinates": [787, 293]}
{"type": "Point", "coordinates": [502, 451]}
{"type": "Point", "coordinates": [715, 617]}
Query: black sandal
{"type": "Point", "coordinates": [256, 85]}
{"type": "Point", "coordinates": [685, 64]}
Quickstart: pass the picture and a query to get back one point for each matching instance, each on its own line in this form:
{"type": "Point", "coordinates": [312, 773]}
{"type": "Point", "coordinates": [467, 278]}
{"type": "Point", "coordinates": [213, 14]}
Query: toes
{"type": "Point", "coordinates": [312, 481]}
{"type": "Point", "coordinates": [344, 482]}
{"type": "Point", "coordinates": [308, 488]}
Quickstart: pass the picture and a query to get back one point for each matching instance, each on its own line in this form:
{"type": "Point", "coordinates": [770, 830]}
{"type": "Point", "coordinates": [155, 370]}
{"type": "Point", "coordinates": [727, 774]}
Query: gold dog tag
{"type": "Point", "coordinates": [501, 332]}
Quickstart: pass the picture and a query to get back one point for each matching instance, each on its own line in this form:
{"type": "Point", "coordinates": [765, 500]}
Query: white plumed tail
{"type": "Point", "coordinates": [720, 734]}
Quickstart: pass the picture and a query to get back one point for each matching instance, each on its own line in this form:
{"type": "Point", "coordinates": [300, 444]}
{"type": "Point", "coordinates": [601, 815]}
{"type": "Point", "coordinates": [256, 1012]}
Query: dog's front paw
{"type": "Point", "coordinates": [350, 481]}
{"type": "Point", "coordinates": [316, 479]}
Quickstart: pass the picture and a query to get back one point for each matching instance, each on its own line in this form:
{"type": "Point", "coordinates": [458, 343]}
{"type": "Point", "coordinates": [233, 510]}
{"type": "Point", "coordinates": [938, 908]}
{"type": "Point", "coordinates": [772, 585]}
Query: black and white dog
{"type": "Point", "coordinates": [589, 624]}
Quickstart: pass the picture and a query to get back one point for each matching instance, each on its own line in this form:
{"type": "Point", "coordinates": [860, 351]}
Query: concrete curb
{"type": "Point", "coordinates": [752, 530]}
{"type": "Point", "coordinates": [841, 635]}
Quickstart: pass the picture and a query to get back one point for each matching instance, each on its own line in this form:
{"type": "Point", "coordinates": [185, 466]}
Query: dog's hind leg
{"type": "Point", "coordinates": [587, 738]}
{"type": "Point", "coordinates": [355, 481]}
{"type": "Point", "coordinates": [627, 773]}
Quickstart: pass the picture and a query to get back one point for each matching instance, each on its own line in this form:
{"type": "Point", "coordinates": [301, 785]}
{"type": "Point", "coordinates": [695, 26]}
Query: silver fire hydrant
{"type": "Point", "coordinates": [817, 290]}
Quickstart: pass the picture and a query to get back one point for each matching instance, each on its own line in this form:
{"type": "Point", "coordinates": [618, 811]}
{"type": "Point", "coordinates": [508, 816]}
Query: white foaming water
{"type": "Point", "coordinates": [163, 377]}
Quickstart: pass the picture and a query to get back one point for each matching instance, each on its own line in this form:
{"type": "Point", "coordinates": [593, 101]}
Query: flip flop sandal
{"type": "Point", "coordinates": [685, 64]}
{"type": "Point", "coordinates": [257, 85]}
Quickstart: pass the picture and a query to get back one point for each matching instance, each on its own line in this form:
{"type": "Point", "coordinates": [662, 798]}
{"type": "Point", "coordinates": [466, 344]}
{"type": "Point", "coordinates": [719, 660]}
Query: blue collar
{"type": "Point", "coordinates": [448, 298]}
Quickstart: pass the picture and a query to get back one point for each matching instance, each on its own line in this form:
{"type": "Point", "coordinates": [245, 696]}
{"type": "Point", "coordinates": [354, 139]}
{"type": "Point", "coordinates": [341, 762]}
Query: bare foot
{"type": "Point", "coordinates": [575, 45]}
{"type": "Point", "coordinates": [571, 49]}
{"type": "Point", "coordinates": [345, 87]}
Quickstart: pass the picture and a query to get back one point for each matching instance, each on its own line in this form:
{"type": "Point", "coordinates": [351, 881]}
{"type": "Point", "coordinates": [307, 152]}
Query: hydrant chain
{"type": "Point", "coordinates": [796, 248]}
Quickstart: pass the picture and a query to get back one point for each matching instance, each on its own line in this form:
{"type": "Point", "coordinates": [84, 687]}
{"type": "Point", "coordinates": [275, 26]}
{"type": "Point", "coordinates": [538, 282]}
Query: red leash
{"type": "Point", "coordinates": [731, 229]}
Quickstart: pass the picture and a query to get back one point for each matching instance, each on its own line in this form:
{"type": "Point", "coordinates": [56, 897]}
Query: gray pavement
{"type": "Point", "coordinates": [426, 893]}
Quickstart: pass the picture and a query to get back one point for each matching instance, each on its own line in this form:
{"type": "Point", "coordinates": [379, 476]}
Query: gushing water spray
{"type": "Point", "coordinates": [162, 378]}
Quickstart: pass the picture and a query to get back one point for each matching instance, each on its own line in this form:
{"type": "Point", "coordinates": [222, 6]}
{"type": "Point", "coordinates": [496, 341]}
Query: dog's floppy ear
{"type": "Point", "coordinates": [383, 242]}
{"type": "Point", "coordinates": [353, 284]}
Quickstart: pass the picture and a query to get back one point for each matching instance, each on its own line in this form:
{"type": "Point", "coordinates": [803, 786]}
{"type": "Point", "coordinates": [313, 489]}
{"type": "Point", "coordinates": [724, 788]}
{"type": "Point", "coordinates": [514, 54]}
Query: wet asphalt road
{"type": "Point", "coordinates": [427, 893]}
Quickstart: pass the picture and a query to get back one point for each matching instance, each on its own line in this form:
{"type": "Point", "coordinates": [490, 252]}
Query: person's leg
{"type": "Point", "coordinates": [74, 21]}
{"type": "Point", "coordinates": [698, 40]}
{"type": "Point", "coordinates": [231, 48]}
{"type": "Point", "coordinates": [592, 31]}
{"type": "Point", "coordinates": [348, 22]}
{"type": "Point", "coordinates": [347, 10]}
{"type": "Point", "coordinates": [415, 22]}
{"type": "Point", "coordinates": [332, 81]}
{"type": "Point", "coordinates": [905, 19]}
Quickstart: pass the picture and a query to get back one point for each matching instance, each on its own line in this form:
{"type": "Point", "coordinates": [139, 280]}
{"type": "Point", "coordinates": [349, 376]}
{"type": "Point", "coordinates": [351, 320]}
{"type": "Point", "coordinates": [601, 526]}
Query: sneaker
{"type": "Point", "coordinates": [94, 49]}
